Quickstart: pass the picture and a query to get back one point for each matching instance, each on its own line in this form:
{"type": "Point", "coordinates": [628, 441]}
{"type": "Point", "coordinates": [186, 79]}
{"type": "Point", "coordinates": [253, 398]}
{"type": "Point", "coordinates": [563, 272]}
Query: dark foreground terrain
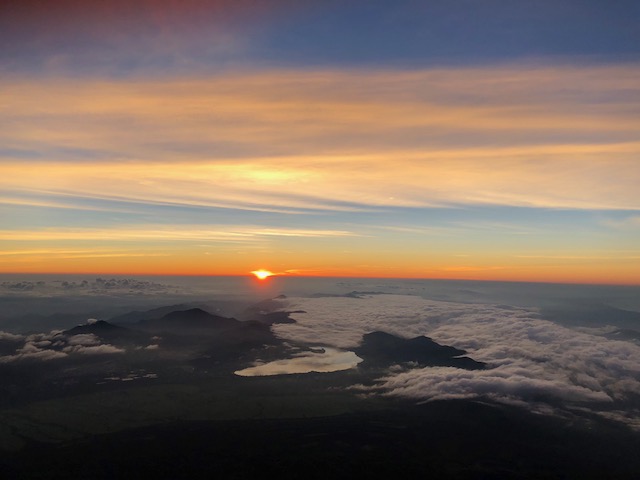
{"type": "Point", "coordinates": [158, 397]}
{"type": "Point", "coordinates": [450, 439]}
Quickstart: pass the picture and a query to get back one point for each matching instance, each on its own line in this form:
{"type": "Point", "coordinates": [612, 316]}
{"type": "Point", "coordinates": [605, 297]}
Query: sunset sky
{"type": "Point", "coordinates": [495, 140]}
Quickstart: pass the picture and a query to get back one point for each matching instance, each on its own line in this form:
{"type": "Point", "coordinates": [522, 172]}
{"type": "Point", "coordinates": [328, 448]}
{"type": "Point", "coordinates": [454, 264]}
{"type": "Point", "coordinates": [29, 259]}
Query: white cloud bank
{"type": "Point", "coordinates": [529, 359]}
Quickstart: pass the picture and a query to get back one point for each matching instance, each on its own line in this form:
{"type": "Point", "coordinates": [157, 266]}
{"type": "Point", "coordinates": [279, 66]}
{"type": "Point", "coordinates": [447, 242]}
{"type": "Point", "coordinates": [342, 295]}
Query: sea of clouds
{"type": "Point", "coordinates": [531, 361]}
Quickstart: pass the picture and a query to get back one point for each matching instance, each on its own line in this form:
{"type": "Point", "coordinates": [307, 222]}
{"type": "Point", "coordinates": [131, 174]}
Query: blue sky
{"type": "Point", "coordinates": [170, 37]}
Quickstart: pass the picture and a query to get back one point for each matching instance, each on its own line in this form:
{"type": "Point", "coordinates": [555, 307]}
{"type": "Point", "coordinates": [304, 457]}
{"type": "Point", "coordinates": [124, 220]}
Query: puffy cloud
{"type": "Point", "coordinates": [83, 339]}
{"type": "Point", "coordinates": [55, 345]}
{"type": "Point", "coordinates": [529, 359]}
{"type": "Point", "coordinates": [44, 336]}
{"type": "Point", "coordinates": [31, 351]}
{"type": "Point", "coordinates": [511, 382]}
{"type": "Point", "coordinates": [93, 349]}
{"type": "Point", "coordinates": [10, 336]}
{"type": "Point", "coordinates": [89, 344]}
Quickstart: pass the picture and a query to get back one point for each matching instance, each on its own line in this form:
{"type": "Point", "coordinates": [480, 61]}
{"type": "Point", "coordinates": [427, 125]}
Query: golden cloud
{"type": "Point", "coordinates": [291, 141]}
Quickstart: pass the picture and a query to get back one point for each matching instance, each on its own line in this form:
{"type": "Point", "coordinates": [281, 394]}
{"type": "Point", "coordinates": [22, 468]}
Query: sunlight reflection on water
{"type": "Point", "coordinates": [326, 360]}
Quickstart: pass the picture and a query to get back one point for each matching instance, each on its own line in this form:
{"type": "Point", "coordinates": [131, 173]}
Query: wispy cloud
{"type": "Point", "coordinates": [289, 140]}
{"type": "Point", "coordinates": [471, 268]}
{"type": "Point", "coordinates": [632, 222]}
{"type": "Point", "coordinates": [81, 253]}
{"type": "Point", "coordinates": [283, 232]}
{"type": "Point", "coordinates": [223, 234]}
{"type": "Point", "coordinates": [621, 256]}
{"type": "Point", "coordinates": [23, 201]}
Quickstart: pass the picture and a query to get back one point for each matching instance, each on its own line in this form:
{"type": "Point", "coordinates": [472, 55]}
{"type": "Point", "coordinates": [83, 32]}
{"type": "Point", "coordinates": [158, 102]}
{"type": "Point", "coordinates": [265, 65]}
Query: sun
{"type": "Point", "coordinates": [262, 274]}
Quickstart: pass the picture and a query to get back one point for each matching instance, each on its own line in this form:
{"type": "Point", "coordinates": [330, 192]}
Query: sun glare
{"type": "Point", "coordinates": [262, 274]}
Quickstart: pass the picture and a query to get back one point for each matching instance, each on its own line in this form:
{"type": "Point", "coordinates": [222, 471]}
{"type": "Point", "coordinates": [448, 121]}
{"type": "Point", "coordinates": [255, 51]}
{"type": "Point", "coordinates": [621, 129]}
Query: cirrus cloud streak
{"type": "Point", "coordinates": [331, 140]}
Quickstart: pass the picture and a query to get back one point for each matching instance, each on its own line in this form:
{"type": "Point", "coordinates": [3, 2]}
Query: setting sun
{"type": "Point", "coordinates": [262, 274]}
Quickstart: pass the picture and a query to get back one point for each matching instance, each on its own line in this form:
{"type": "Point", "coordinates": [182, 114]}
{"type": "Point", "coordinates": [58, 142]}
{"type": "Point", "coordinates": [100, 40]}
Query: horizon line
{"type": "Point", "coordinates": [371, 277]}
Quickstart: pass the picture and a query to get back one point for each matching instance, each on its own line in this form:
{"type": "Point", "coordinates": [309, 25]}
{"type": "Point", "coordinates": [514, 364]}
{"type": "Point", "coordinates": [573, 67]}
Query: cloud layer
{"type": "Point", "coordinates": [529, 359]}
{"type": "Point", "coordinates": [299, 140]}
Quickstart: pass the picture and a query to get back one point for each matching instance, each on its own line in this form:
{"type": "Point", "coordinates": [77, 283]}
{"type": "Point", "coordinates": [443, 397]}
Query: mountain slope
{"type": "Point", "coordinates": [380, 349]}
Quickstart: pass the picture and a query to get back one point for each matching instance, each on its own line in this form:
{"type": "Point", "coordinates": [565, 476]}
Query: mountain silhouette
{"type": "Point", "coordinates": [96, 328]}
{"type": "Point", "coordinates": [193, 320]}
{"type": "Point", "coordinates": [137, 316]}
{"type": "Point", "coordinates": [586, 314]}
{"type": "Point", "coordinates": [269, 312]}
{"type": "Point", "coordinates": [380, 349]}
{"type": "Point", "coordinates": [110, 333]}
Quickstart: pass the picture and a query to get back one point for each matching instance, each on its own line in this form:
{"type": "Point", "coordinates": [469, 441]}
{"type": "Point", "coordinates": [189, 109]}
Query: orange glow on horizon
{"type": "Point", "coordinates": [577, 277]}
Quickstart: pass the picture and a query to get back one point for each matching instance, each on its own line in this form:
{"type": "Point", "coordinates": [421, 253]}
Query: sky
{"type": "Point", "coordinates": [490, 140]}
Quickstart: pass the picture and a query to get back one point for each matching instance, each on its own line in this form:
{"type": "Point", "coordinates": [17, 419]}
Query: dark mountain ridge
{"type": "Point", "coordinates": [137, 316]}
{"type": "Point", "coordinates": [189, 321]}
{"type": "Point", "coordinates": [380, 349]}
{"type": "Point", "coordinates": [110, 333]}
{"type": "Point", "coordinates": [96, 328]}
{"type": "Point", "coordinates": [592, 314]}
